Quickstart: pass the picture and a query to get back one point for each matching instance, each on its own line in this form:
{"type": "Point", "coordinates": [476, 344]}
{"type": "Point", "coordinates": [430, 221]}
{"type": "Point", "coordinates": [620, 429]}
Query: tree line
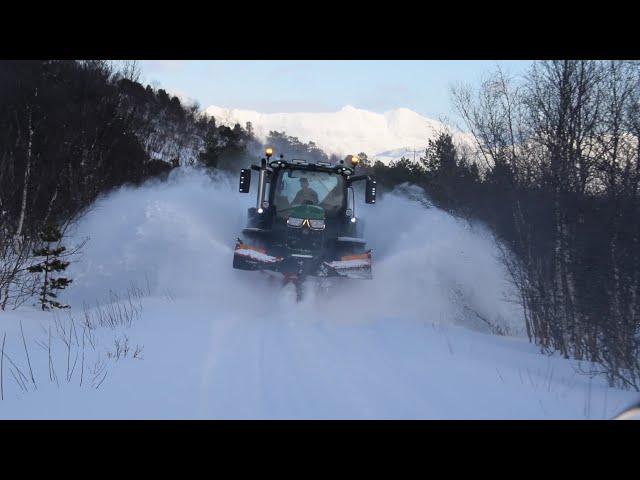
{"type": "Point", "coordinates": [72, 130]}
{"type": "Point", "coordinates": [556, 177]}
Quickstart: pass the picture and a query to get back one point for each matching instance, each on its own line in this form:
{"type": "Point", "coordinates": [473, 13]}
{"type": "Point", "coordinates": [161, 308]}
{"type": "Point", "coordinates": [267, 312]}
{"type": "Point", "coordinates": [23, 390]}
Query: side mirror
{"type": "Point", "coordinates": [245, 180]}
{"type": "Point", "coordinates": [370, 191]}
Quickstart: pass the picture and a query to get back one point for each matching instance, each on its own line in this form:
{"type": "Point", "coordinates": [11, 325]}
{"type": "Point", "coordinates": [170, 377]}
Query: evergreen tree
{"type": "Point", "coordinates": [293, 147]}
{"type": "Point", "coordinates": [364, 159]}
{"type": "Point", "coordinates": [440, 156]}
{"type": "Point", "coordinates": [212, 148]}
{"type": "Point", "coordinates": [51, 263]}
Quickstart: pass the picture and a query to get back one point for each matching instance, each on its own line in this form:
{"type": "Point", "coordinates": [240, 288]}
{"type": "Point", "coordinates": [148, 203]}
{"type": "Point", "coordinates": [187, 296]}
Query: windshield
{"type": "Point", "coordinates": [304, 187]}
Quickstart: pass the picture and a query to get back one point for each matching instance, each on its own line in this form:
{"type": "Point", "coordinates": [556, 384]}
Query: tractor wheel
{"type": "Point", "coordinates": [297, 282]}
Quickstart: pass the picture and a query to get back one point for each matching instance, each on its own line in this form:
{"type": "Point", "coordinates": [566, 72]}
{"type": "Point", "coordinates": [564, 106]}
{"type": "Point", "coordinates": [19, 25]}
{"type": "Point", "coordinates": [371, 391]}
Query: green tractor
{"type": "Point", "coordinates": [304, 221]}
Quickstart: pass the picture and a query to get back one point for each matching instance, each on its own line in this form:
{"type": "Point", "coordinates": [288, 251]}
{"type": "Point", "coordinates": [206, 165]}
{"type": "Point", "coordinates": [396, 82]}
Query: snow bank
{"type": "Point", "coordinates": [223, 343]}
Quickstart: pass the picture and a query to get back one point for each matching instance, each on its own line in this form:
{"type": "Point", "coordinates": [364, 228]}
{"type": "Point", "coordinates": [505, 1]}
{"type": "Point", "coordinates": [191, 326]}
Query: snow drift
{"type": "Point", "coordinates": [178, 237]}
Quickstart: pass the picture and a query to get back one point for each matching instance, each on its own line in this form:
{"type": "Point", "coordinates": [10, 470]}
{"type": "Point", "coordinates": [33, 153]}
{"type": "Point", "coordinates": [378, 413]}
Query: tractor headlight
{"type": "Point", "coordinates": [295, 222]}
{"type": "Point", "coordinates": [316, 224]}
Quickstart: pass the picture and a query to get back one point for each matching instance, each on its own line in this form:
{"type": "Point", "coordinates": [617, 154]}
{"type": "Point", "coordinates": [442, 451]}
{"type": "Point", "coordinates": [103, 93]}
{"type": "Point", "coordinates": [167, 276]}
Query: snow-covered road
{"type": "Point", "coordinates": [220, 343]}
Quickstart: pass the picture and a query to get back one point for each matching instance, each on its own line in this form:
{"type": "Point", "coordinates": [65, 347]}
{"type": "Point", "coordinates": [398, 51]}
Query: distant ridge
{"type": "Point", "coordinates": [383, 136]}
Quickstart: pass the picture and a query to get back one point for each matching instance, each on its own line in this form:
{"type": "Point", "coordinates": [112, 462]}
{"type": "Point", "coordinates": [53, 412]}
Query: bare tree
{"type": "Point", "coordinates": [562, 156]}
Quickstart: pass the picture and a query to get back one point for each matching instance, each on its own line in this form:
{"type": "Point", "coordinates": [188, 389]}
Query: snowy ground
{"type": "Point", "coordinates": [189, 337]}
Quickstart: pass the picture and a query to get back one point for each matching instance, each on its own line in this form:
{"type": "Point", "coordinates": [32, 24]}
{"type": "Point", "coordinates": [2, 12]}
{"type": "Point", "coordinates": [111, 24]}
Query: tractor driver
{"type": "Point", "coordinates": [305, 195]}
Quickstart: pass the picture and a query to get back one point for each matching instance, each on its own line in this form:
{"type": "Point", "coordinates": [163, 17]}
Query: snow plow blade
{"type": "Point", "coordinates": [351, 266]}
{"type": "Point", "coordinates": [247, 257]}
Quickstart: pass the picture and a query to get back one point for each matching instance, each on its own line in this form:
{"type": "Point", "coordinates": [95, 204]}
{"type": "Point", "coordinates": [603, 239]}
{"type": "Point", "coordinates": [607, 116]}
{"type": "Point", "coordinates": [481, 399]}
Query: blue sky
{"type": "Point", "coordinates": [322, 86]}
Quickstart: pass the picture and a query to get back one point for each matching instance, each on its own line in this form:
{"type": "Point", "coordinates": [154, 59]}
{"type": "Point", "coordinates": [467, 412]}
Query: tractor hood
{"type": "Point", "coordinates": [309, 212]}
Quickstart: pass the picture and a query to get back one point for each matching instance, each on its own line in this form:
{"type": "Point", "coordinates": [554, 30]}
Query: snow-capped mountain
{"type": "Point", "coordinates": [382, 136]}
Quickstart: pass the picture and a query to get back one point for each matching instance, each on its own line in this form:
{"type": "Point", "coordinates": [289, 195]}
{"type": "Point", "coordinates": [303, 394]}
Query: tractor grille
{"type": "Point", "coordinates": [304, 238]}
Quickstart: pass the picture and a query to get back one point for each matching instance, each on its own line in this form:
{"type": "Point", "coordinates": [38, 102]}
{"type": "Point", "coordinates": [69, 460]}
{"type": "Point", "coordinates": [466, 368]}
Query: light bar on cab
{"type": "Point", "coordinates": [344, 170]}
{"type": "Point", "coordinates": [278, 164]}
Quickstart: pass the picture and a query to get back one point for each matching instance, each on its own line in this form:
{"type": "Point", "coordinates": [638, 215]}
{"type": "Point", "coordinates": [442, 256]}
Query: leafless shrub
{"type": "Point", "coordinates": [4, 337]}
{"type": "Point", "coordinates": [116, 312]}
{"type": "Point", "coordinates": [20, 378]}
{"type": "Point", "coordinates": [61, 336]}
{"type": "Point", "coordinates": [26, 351]}
{"type": "Point", "coordinates": [137, 353]}
{"type": "Point", "coordinates": [121, 349]}
{"type": "Point", "coordinates": [493, 327]}
{"type": "Point", "coordinates": [17, 285]}
{"type": "Point", "coordinates": [98, 373]}
{"type": "Point", "coordinates": [561, 184]}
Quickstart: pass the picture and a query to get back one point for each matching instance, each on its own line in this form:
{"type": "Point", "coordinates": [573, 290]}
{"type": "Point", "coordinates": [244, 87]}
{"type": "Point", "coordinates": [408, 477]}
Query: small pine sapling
{"type": "Point", "coordinates": [51, 263]}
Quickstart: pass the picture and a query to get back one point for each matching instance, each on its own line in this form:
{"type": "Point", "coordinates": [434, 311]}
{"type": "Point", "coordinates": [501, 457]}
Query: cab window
{"type": "Point", "coordinates": [325, 189]}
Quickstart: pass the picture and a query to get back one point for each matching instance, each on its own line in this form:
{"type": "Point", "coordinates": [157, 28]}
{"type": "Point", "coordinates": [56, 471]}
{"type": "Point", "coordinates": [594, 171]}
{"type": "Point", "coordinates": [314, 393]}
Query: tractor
{"type": "Point", "coordinates": [304, 223]}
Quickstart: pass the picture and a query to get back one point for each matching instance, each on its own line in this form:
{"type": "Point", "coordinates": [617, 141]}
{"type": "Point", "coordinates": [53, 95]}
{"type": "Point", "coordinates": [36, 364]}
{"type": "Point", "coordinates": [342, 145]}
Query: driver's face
{"type": "Point", "coordinates": [304, 183]}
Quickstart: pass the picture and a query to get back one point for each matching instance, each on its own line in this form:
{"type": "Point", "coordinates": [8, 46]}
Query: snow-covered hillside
{"type": "Point", "coordinates": [385, 137]}
{"type": "Point", "coordinates": [189, 337]}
